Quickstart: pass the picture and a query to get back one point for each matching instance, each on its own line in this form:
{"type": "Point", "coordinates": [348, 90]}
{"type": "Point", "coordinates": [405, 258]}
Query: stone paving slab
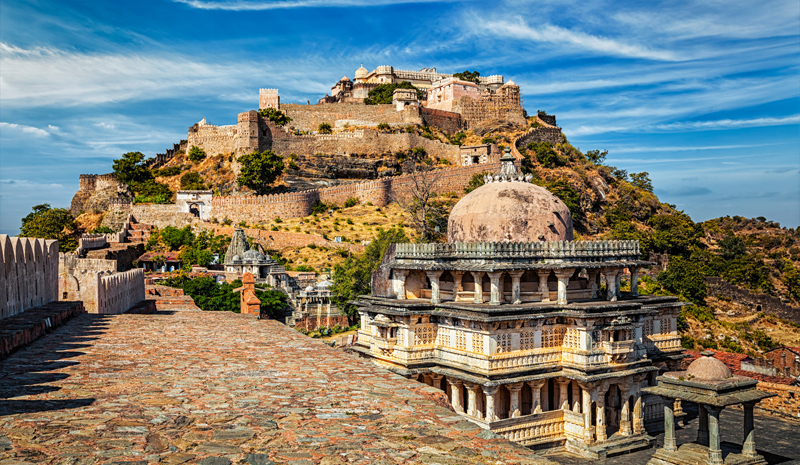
{"type": "Point", "coordinates": [220, 388]}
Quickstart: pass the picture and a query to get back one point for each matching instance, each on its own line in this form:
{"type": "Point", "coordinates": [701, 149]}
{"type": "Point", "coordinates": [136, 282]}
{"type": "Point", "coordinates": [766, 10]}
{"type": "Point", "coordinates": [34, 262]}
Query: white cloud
{"type": "Point", "coordinates": [727, 124]}
{"type": "Point", "coordinates": [518, 28]}
{"type": "Point", "coordinates": [244, 5]}
{"type": "Point", "coordinates": [25, 130]}
{"type": "Point", "coordinates": [104, 125]}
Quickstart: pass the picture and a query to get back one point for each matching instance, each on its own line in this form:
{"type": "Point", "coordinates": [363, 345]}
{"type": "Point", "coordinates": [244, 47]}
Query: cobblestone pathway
{"type": "Point", "coordinates": [219, 388]}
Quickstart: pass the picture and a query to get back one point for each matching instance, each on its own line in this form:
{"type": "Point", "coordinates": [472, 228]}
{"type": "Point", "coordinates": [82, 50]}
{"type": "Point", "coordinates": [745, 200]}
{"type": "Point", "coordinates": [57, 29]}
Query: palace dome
{"type": "Point", "coordinates": [708, 367]}
{"type": "Point", "coordinates": [508, 208]}
{"type": "Point", "coordinates": [362, 72]}
{"type": "Point", "coordinates": [253, 255]}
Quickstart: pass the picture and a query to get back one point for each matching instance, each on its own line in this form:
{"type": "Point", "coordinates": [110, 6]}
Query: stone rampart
{"type": "Point", "coordinates": [29, 273]}
{"type": "Point", "coordinates": [447, 121]}
{"type": "Point", "coordinates": [213, 139]}
{"type": "Point", "coordinates": [549, 119]}
{"type": "Point", "coordinates": [78, 277]}
{"type": "Point", "coordinates": [97, 192]}
{"type": "Point", "coordinates": [379, 192]}
{"type": "Point", "coordinates": [309, 117]}
{"type": "Point", "coordinates": [540, 134]}
{"type": "Point", "coordinates": [364, 142]}
{"type": "Point", "coordinates": [277, 240]}
{"type": "Point", "coordinates": [489, 109]}
{"type": "Point", "coordinates": [163, 215]}
{"type": "Point", "coordinates": [119, 292]}
{"type": "Point", "coordinates": [91, 241]}
{"type": "Point", "coordinates": [756, 302]}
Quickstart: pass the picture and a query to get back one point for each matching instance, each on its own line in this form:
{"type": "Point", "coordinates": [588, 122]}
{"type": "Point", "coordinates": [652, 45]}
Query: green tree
{"type": "Point", "coordinates": [382, 93]}
{"type": "Point", "coordinates": [324, 128]}
{"type": "Point", "coordinates": [467, 75]}
{"type": "Point", "coordinates": [196, 154]}
{"type": "Point", "coordinates": [259, 170]}
{"type": "Point", "coordinates": [174, 238]}
{"type": "Point", "coordinates": [276, 116]}
{"type": "Point", "coordinates": [732, 247]}
{"type": "Point", "coordinates": [353, 277]}
{"type": "Point", "coordinates": [193, 182]}
{"type": "Point", "coordinates": [272, 302]}
{"type": "Point", "coordinates": [475, 182]}
{"type": "Point", "coordinates": [51, 223]}
{"type": "Point", "coordinates": [642, 181]}
{"type": "Point", "coordinates": [131, 169]}
{"type": "Point", "coordinates": [684, 278]}
{"type": "Point", "coordinates": [597, 157]}
{"type": "Point", "coordinates": [791, 279]}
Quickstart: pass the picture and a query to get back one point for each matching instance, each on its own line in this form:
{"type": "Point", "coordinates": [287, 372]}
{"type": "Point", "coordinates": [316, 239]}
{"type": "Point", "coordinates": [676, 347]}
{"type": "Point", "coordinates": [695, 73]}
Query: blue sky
{"type": "Point", "coordinates": [702, 95]}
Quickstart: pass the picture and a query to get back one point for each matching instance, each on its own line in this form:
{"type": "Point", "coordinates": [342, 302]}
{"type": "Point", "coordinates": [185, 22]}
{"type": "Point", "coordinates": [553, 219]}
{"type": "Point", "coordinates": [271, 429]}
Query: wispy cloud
{"type": "Point", "coordinates": [243, 5]}
{"type": "Point", "coordinates": [726, 124]}
{"type": "Point", "coordinates": [518, 28]}
{"type": "Point", "coordinates": [25, 130]}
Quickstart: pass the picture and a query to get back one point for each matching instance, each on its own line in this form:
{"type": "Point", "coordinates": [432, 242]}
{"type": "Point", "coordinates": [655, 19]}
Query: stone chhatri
{"type": "Point", "coordinates": [708, 367]}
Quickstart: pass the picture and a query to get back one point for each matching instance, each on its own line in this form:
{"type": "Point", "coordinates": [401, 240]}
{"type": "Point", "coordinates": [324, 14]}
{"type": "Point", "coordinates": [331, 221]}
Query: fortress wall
{"type": "Point", "coordinates": [29, 273]}
{"type": "Point", "coordinates": [162, 215]}
{"type": "Point", "coordinates": [309, 117]}
{"type": "Point", "coordinates": [119, 292]}
{"type": "Point", "coordinates": [540, 134]}
{"type": "Point", "coordinates": [447, 121]}
{"type": "Point", "coordinates": [366, 142]}
{"type": "Point", "coordinates": [756, 302]}
{"type": "Point", "coordinates": [380, 192]}
{"type": "Point", "coordinates": [77, 278]}
{"type": "Point", "coordinates": [490, 108]}
{"type": "Point", "coordinates": [277, 240]}
{"type": "Point", "coordinates": [213, 139]}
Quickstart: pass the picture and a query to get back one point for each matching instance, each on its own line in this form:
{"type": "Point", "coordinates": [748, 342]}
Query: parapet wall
{"type": "Point", "coordinates": [29, 273]}
{"type": "Point", "coordinates": [119, 292]}
{"type": "Point", "coordinates": [540, 134]}
{"type": "Point", "coordinates": [78, 278]}
{"type": "Point", "coordinates": [91, 241]}
{"type": "Point", "coordinates": [309, 117]}
{"type": "Point", "coordinates": [213, 139]}
{"type": "Point", "coordinates": [380, 192]}
{"type": "Point", "coordinates": [756, 302]}
{"type": "Point", "coordinates": [449, 122]}
{"type": "Point", "coordinates": [489, 109]}
{"type": "Point", "coordinates": [277, 240]}
{"type": "Point", "coordinates": [162, 215]}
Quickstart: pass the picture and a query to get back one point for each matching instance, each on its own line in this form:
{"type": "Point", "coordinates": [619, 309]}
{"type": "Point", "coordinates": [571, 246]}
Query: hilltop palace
{"type": "Point", "coordinates": [509, 319]}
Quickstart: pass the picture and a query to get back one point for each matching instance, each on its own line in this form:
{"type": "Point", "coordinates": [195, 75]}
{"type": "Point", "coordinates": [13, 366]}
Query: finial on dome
{"type": "Point", "coordinates": [508, 170]}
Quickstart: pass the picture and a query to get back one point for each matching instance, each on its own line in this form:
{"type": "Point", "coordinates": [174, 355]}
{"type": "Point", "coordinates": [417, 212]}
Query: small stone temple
{"type": "Point", "coordinates": [241, 259]}
{"type": "Point", "coordinates": [527, 331]}
{"type": "Point", "coordinates": [710, 384]}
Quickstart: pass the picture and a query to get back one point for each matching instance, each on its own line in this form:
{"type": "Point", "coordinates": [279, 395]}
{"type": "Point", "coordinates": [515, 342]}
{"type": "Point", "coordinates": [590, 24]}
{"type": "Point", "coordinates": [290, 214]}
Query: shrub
{"type": "Point", "coordinates": [278, 219]}
{"type": "Point", "coordinates": [384, 126]}
{"type": "Point", "coordinates": [193, 182]}
{"type": "Point", "coordinates": [276, 116]}
{"type": "Point", "coordinates": [293, 165]}
{"type": "Point", "coordinates": [351, 202]}
{"type": "Point", "coordinates": [324, 128]}
{"type": "Point", "coordinates": [196, 154]}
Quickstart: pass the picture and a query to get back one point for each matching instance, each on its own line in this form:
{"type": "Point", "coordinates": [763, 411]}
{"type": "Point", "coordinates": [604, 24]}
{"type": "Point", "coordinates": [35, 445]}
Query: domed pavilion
{"type": "Point", "coordinates": [526, 330]}
{"type": "Point", "coordinates": [241, 259]}
{"type": "Point", "coordinates": [710, 384]}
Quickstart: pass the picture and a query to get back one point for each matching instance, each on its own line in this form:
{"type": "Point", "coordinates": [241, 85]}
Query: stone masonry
{"type": "Point", "coordinates": [28, 273]}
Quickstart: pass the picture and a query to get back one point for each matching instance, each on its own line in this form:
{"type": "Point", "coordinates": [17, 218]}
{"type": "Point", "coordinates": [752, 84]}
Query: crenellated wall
{"type": "Point", "coordinates": [309, 117]}
{"type": "Point", "coordinates": [77, 278]}
{"type": "Point", "coordinates": [380, 192]}
{"type": "Point", "coordinates": [91, 241]}
{"type": "Point", "coordinates": [540, 134]}
{"type": "Point", "coordinates": [119, 292]}
{"type": "Point", "coordinates": [29, 273]}
{"type": "Point", "coordinates": [213, 139]}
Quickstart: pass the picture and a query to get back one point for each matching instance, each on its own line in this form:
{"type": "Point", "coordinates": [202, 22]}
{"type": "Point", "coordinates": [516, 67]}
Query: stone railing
{"type": "Point", "coordinates": [91, 241]}
{"type": "Point", "coordinates": [531, 429]}
{"type": "Point", "coordinates": [667, 342]}
{"type": "Point", "coordinates": [589, 251]}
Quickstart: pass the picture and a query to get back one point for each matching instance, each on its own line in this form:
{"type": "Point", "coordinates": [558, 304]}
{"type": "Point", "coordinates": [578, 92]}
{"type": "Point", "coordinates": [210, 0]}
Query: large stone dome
{"type": "Point", "coordinates": [708, 367]}
{"type": "Point", "coordinates": [513, 210]}
{"type": "Point", "coordinates": [362, 72]}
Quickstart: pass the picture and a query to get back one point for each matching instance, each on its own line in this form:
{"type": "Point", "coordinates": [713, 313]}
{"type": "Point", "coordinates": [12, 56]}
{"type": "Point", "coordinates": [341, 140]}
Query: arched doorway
{"type": "Point", "coordinates": [194, 209]}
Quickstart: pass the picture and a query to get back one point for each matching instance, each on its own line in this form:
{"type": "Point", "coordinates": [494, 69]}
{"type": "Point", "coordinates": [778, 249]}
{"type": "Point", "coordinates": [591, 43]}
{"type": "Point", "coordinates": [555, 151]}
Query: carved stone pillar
{"type": "Point", "coordinates": [455, 394]}
{"type": "Point", "coordinates": [434, 278]}
{"type": "Point", "coordinates": [625, 415]}
{"type": "Point", "coordinates": [514, 409]}
{"type": "Point", "coordinates": [400, 276]}
{"type": "Point", "coordinates": [472, 399]}
{"type": "Point", "coordinates": [749, 446]}
{"type": "Point", "coordinates": [544, 291]}
{"type": "Point", "coordinates": [516, 296]}
{"type": "Point", "coordinates": [611, 283]}
{"type": "Point", "coordinates": [601, 413]}
{"type": "Point", "coordinates": [563, 390]}
{"type": "Point", "coordinates": [536, 395]}
{"type": "Point", "coordinates": [478, 277]}
{"type": "Point", "coordinates": [618, 284]}
{"type": "Point", "coordinates": [669, 427]}
{"type": "Point", "coordinates": [586, 397]}
{"type": "Point", "coordinates": [593, 275]}
{"type": "Point", "coordinates": [490, 392]}
{"type": "Point", "coordinates": [436, 380]}
{"type": "Point", "coordinates": [638, 415]}
{"type": "Point", "coordinates": [714, 449]}
{"type": "Point", "coordinates": [426, 378]}
{"type": "Point", "coordinates": [563, 281]}
{"type": "Point", "coordinates": [634, 281]}
{"type": "Point", "coordinates": [702, 425]}
{"type": "Point", "coordinates": [494, 286]}
{"type": "Point", "coordinates": [457, 286]}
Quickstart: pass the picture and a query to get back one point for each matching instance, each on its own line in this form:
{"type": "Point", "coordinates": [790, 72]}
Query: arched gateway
{"type": "Point", "coordinates": [509, 319]}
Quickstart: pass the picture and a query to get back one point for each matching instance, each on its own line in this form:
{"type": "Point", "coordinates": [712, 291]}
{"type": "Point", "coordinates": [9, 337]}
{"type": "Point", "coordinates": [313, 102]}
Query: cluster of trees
{"type": "Point", "coordinates": [132, 170]}
{"type": "Point", "coordinates": [467, 75]}
{"type": "Point", "coordinates": [382, 94]}
{"type": "Point", "coordinates": [45, 222]}
{"type": "Point", "coordinates": [194, 249]}
{"type": "Point", "coordinates": [259, 170]}
{"type": "Point", "coordinates": [276, 116]}
{"type": "Point", "coordinates": [210, 296]}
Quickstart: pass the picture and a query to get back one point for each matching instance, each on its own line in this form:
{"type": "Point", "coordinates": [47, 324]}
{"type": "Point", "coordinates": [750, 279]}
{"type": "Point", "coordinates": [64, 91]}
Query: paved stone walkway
{"type": "Point", "coordinates": [219, 388]}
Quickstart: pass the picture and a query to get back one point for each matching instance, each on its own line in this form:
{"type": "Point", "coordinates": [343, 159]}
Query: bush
{"type": "Point", "coordinates": [259, 170]}
{"type": "Point", "coordinates": [167, 172]}
{"type": "Point", "coordinates": [475, 182]}
{"type": "Point", "coordinates": [351, 202]}
{"type": "Point", "coordinates": [383, 93]}
{"type": "Point", "coordinates": [383, 126]}
{"type": "Point", "coordinates": [192, 181]}
{"type": "Point", "coordinates": [324, 128]}
{"type": "Point", "coordinates": [196, 154]}
{"type": "Point", "coordinates": [685, 278]}
{"type": "Point", "coordinates": [276, 116]}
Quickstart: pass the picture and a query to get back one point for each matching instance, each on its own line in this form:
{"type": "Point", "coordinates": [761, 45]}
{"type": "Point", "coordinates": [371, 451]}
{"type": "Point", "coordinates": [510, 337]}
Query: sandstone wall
{"type": "Point", "coordinates": [540, 134]}
{"type": "Point", "coordinates": [756, 302]}
{"type": "Point", "coordinates": [380, 192]}
{"type": "Point", "coordinates": [97, 192]}
{"type": "Point", "coordinates": [309, 117]}
{"type": "Point", "coordinates": [277, 240]}
{"type": "Point", "coordinates": [163, 215]}
{"type": "Point", "coordinates": [78, 278]}
{"type": "Point", "coordinates": [213, 139]}
{"type": "Point", "coordinates": [449, 122]}
{"type": "Point", "coordinates": [28, 273]}
{"type": "Point", "coordinates": [489, 109]}
{"type": "Point", "coordinates": [119, 292]}
{"type": "Point", "coordinates": [364, 142]}
{"type": "Point", "coordinates": [91, 241]}
{"type": "Point", "coordinates": [786, 403]}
